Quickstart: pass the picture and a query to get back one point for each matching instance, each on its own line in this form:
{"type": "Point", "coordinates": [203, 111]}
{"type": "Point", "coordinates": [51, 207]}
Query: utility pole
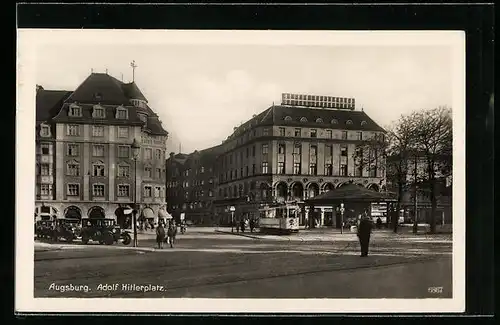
{"type": "Point", "coordinates": [133, 65]}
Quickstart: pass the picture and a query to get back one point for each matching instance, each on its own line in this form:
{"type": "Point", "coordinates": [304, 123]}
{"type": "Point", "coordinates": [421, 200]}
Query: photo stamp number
{"type": "Point", "coordinates": [435, 290]}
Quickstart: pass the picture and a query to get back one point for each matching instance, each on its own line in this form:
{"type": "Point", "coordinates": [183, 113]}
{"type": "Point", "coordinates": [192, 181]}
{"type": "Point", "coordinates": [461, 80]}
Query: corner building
{"type": "Point", "coordinates": [85, 166]}
{"type": "Point", "coordinates": [295, 151]}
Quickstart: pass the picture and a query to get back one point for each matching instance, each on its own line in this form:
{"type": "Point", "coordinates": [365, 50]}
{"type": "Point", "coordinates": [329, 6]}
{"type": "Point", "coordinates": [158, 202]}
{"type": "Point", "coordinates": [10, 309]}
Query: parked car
{"type": "Point", "coordinates": [104, 231]}
{"type": "Point", "coordinates": [67, 229]}
{"type": "Point", "coordinates": [44, 229]}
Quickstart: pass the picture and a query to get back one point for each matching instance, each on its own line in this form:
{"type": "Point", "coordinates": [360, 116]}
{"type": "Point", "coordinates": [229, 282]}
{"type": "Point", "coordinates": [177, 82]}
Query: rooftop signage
{"type": "Point", "coordinates": [317, 101]}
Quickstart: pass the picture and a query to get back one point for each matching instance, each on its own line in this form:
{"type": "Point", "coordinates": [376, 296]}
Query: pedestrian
{"type": "Point", "coordinates": [171, 233]}
{"type": "Point", "coordinates": [160, 235]}
{"type": "Point", "coordinates": [252, 224]}
{"type": "Point", "coordinates": [242, 225]}
{"type": "Point", "coordinates": [364, 231]}
{"type": "Point", "coordinates": [379, 223]}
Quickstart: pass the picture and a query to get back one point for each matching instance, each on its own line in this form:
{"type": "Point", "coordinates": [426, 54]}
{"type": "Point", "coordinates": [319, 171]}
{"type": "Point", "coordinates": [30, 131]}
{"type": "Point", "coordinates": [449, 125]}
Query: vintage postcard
{"type": "Point", "coordinates": [240, 171]}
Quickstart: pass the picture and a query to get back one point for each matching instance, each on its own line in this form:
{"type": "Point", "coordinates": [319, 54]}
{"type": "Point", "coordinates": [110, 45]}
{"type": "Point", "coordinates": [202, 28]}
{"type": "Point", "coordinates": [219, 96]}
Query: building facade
{"type": "Point", "coordinates": [295, 151]}
{"type": "Point", "coordinates": [85, 165]}
{"type": "Point", "coordinates": [192, 184]}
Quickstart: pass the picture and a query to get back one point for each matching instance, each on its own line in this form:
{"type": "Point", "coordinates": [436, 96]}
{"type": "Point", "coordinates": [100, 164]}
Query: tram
{"type": "Point", "coordinates": [279, 218]}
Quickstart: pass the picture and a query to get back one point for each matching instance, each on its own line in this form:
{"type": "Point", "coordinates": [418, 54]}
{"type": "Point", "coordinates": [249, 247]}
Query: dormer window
{"type": "Point", "coordinates": [44, 130]}
{"type": "Point", "coordinates": [334, 121]}
{"type": "Point", "coordinates": [288, 118]}
{"type": "Point", "coordinates": [363, 122]}
{"type": "Point", "coordinates": [98, 112]}
{"type": "Point", "coordinates": [75, 110]}
{"type": "Point", "coordinates": [319, 120]}
{"type": "Point", "coordinates": [348, 122]}
{"type": "Point", "coordinates": [121, 113]}
{"type": "Point", "coordinates": [303, 119]}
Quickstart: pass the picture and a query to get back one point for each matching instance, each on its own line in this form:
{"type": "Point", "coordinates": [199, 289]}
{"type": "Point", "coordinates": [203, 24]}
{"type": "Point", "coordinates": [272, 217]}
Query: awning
{"type": "Point", "coordinates": [148, 213]}
{"type": "Point", "coordinates": [164, 214]}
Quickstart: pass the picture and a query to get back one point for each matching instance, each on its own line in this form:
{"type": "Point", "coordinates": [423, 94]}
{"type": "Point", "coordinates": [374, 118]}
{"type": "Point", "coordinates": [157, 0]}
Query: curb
{"type": "Point", "coordinates": [237, 234]}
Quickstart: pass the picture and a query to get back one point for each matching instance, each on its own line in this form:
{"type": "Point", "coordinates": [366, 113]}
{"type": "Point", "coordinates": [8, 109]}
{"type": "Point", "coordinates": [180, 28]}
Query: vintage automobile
{"type": "Point", "coordinates": [67, 229]}
{"type": "Point", "coordinates": [104, 231]}
{"type": "Point", "coordinates": [44, 229]}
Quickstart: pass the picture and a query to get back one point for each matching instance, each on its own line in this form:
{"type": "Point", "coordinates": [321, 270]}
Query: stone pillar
{"type": "Point", "coordinates": [322, 222]}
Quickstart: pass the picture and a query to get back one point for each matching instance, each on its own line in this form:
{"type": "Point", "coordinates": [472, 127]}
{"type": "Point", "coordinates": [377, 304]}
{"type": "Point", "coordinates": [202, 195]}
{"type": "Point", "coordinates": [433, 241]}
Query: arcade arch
{"type": "Point", "coordinates": [96, 212]}
{"type": "Point", "coordinates": [73, 212]}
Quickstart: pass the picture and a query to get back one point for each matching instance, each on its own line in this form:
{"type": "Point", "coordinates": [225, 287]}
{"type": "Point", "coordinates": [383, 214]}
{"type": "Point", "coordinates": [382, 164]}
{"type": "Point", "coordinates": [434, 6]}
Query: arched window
{"type": "Point", "coordinates": [348, 122]}
{"type": "Point", "coordinates": [334, 121]}
{"type": "Point", "coordinates": [303, 119]}
{"type": "Point", "coordinates": [288, 118]}
{"type": "Point", "coordinates": [319, 120]}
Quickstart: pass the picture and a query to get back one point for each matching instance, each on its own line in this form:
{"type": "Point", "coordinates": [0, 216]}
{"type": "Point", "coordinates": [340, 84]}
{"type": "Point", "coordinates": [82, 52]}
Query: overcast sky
{"type": "Point", "coordinates": [202, 91]}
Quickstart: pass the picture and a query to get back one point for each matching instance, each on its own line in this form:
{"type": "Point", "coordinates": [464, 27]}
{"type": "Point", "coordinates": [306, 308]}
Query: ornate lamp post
{"type": "Point", "coordinates": [135, 155]}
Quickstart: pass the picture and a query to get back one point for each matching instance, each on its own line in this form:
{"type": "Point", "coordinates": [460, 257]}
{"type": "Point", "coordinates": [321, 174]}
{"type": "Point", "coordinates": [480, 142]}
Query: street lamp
{"type": "Point", "coordinates": [232, 209]}
{"type": "Point", "coordinates": [135, 155]}
{"type": "Point", "coordinates": [415, 221]}
{"type": "Point", "coordinates": [342, 218]}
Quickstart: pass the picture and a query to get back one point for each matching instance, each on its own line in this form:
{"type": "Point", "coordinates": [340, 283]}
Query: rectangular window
{"type": "Point", "coordinates": [344, 135]}
{"type": "Point", "coordinates": [98, 150]}
{"type": "Point", "coordinates": [158, 173]}
{"type": "Point", "coordinates": [247, 152]}
{"type": "Point", "coordinates": [46, 189]}
{"type": "Point", "coordinates": [358, 172]}
{"type": "Point", "coordinates": [73, 169]}
{"type": "Point", "coordinates": [98, 170]}
{"type": "Point", "coordinates": [123, 131]}
{"type": "Point", "coordinates": [265, 167]}
{"type": "Point", "coordinates": [45, 148]}
{"type": "Point", "coordinates": [44, 170]}
{"type": "Point", "coordinates": [297, 132]}
{"type": "Point", "coordinates": [148, 172]}
{"type": "Point", "coordinates": [98, 112]}
{"type": "Point", "coordinates": [121, 114]}
{"type": "Point", "coordinates": [265, 131]}
{"type": "Point", "coordinates": [73, 130]}
{"type": "Point", "coordinates": [148, 153]}
{"type": "Point", "coordinates": [254, 169]}
{"type": "Point", "coordinates": [45, 131]}
{"type": "Point", "coordinates": [282, 132]}
{"type": "Point", "coordinates": [75, 111]}
{"type": "Point", "coordinates": [241, 172]}
{"type": "Point", "coordinates": [329, 134]}
{"type": "Point", "coordinates": [328, 150]}
{"type": "Point", "coordinates": [343, 170]}
{"type": "Point", "coordinates": [147, 191]}
{"type": "Point", "coordinates": [359, 135]}
{"type": "Point", "coordinates": [296, 168]}
{"type": "Point", "coordinates": [281, 148]}
{"type": "Point", "coordinates": [313, 170]}
{"type": "Point", "coordinates": [253, 151]}
{"type": "Point", "coordinates": [343, 151]}
{"type": "Point", "coordinates": [73, 150]}
{"type": "Point", "coordinates": [157, 191]}
{"type": "Point", "coordinates": [328, 169]}
{"type": "Point", "coordinates": [123, 151]}
{"type": "Point", "coordinates": [98, 190]}
{"type": "Point", "coordinates": [158, 154]}
{"type": "Point", "coordinates": [73, 190]}
{"type": "Point", "coordinates": [297, 148]}
{"type": "Point", "coordinates": [313, 133]}
{"type": "Point", "coordinates": [373, 171]}
{"type": "Point", "coordinates": [313, 150]}
{"type": "Point", "coordinates": [265, 149]}
{"type": "Point", "coordinates": [123, 190]}
{"type": "Point", "coordinates": [97, 131]}
{"type": "Point", "coordinates": [281, 168]}
{"type": "Point", "coordinates": [123, 171]}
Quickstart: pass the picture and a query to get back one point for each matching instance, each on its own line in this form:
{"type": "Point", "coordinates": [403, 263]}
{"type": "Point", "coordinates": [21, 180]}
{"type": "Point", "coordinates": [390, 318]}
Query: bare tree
{"type": "Point", "coordinates": [433, 134]}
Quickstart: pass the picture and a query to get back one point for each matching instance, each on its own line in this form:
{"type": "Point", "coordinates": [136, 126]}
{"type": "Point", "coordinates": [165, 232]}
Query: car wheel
{"type": "Point", "coordinates": [108, 239]}
{"type": "Point", "coordinates": [126, 239]}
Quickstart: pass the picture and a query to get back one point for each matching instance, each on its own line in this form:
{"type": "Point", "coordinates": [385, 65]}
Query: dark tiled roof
{"type": "Point", "coordinates": [110, 93]}
{"type": "Point", "coordinates": [48, 103]}
{"type": "Point", "coordinates": [132, 91]}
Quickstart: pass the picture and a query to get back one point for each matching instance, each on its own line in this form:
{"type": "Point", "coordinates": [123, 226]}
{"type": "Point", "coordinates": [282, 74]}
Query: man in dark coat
{"type": "Point", "coordinates": [160, 235]}
{"type": "Point", "coordinates": [364, 231]}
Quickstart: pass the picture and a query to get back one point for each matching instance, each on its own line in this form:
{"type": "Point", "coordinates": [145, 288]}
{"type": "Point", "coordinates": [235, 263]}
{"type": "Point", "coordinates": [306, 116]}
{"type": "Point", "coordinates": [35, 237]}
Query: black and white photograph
{"type": "Point", "coordinates": [240, 171]}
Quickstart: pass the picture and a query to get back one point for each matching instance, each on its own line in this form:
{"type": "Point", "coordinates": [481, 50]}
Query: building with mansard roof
{"type": "Point", "coordinates": [84, 160]}
{"type": "Point", "coordinates": [296, 150]}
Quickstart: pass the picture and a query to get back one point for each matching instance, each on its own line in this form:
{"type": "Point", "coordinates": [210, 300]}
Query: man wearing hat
{"type": "Point", "coordinates": [364, 231]}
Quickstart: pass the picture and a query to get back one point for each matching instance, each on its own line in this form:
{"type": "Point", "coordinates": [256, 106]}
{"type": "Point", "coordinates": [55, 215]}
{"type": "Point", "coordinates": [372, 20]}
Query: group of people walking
{"type": "Point", "coordinates": [242, 224]}
{"type": "Point", "coordinates": [165, 233]}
